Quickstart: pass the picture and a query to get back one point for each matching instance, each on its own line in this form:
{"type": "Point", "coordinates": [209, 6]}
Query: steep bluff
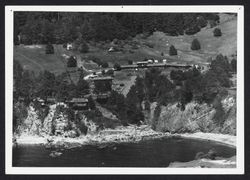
{"type": "Point", "coordinates": [195, 118]}
{"type": "Point", "coordinates": [56, 122]}
{"type": "Point", "coordinates": [171, 118]}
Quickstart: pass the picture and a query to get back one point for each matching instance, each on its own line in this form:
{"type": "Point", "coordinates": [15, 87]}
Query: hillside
{"type": "Point", "coordinates": [136, 49]}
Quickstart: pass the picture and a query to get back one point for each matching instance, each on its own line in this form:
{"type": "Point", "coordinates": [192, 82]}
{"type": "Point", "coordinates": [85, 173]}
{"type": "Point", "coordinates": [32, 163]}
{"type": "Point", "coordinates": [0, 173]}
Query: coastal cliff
{"type": "Point", "coordinates": [195, 118]}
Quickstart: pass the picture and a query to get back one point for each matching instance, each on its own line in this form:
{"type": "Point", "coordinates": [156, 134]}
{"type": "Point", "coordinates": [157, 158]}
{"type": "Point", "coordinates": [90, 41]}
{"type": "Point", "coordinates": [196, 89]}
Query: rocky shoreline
{"type": "Point", "coordinates": [120, 135]}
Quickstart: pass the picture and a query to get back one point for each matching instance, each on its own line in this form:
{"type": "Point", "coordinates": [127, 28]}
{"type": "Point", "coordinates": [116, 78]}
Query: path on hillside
{"type": "Point", "coordinates": [31, 61]}
{"type": "Point", "coordinates": [128, 85]}
{"type": "Point", "coordinates": [80, 63]}
{"type": "Point", "coordinates": [106, 113]}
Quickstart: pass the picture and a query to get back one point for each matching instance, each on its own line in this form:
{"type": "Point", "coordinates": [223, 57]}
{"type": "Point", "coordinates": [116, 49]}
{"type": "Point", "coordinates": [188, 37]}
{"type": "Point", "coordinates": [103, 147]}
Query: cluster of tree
{"type": "Point", "coordinates": [63, 27]}
{"type": "Point", "coordinates": [128, 109]}
{"type": "Point", "coordinates": [204, 87]}
{"type": "Point", "coordinates": [29, 86]}
{"type": "Point", "coordinates": [80, 45]}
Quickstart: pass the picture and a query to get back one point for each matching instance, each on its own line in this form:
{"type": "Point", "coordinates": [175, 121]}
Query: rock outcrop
{"type": "Point", "coordinates": [56, 123]}
{"type": "Point", "coordinates": [195, 118]}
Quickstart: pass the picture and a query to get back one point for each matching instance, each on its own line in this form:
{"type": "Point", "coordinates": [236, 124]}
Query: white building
{"type": "Point", "coordinates": [69, 46]}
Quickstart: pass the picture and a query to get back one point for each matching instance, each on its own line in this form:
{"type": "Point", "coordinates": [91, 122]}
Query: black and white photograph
{"type": "Point", "coordinates": [125, 89]}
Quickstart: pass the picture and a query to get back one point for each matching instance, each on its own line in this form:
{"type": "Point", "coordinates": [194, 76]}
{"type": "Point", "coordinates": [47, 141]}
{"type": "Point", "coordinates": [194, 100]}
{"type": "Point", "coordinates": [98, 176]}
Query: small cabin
{"type": "Point", "coordinates": [79, 103]}
{"type": "Point", "coordinates": [142, 63]}
{"type": "Point", "coordinates": [111, 49]}
{"type": "Point", "coordinates": [69, 46]}
{"type": "Point", "coordinates": [156, 61]}
{"type": "Point", "coordinates": [150, 61]}
{"type": "Point", "coordinates": [50, 100]}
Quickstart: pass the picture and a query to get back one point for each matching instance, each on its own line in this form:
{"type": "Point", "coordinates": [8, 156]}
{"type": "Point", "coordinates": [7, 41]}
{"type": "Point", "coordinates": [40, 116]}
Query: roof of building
{"type": "Point", "coordinates": [141, 62]}
{"type": "Point", "coordinates": [79, 100]}
{"type": "Point", "coordinates": [102, 78]}
{"type": "Point", "coordinates": [51, 99]}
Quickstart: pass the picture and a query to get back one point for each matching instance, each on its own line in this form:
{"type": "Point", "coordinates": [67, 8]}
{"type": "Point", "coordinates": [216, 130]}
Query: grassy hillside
{"type": "Point", "coordinates": [35, 59]}
{"type": "Point", "coordinates": [155, 46]}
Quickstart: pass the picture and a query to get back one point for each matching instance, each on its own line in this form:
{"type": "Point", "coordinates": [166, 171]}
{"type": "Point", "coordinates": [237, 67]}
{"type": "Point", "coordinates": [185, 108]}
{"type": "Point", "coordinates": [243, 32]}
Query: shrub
{"type": "Point", "coordinates": [83, 48]}
{"type": "Point", "coordinates": [49, 49]}
{"type": "Point", "coordinates": [105, 65]}
{"type": "Point", "coordinates": [195, 45]}
{"type": "Point", "coordinates": [172, 51]}
{"type": "Point", "coordinates": [117, 66]}
{"type": "Point", "coordinates": [130, 62]}
{"type": "Point", "coordinates": [212, 23]}
{"type": "Point", "coordinates": [217, 32]}
{"type": "Point", "coordinates": [110, 72]}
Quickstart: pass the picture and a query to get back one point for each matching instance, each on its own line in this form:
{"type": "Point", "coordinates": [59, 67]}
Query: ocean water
{"type": "Point", "coordinates": [150, 153]}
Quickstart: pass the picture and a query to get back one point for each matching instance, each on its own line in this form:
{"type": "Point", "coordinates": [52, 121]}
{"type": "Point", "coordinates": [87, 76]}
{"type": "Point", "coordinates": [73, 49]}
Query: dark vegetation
{"type": "Point", "coordinates": [195, 45]}
{"type": "Point", "coordinates": [172, 51]}
{"type": "Point", "coordinates": [217, 32]}
{"type": "Point", "coordinates": [62, 27]}
{"type": "Point", "coordinates": [49, 49]}
{"type": "Point", "coordinates": [130, 62]}
{"type": "Point", "coordinates": [117, 66]}
{"type": "Point", "coordinates": [83, 47]}
{"type": "Point", "coordinates": [72, 62]}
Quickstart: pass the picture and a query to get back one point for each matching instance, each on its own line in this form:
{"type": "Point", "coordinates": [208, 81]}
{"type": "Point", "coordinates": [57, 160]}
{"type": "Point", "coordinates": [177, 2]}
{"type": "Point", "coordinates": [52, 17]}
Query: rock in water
{"type": "Point", "coordinates": [55, 154]}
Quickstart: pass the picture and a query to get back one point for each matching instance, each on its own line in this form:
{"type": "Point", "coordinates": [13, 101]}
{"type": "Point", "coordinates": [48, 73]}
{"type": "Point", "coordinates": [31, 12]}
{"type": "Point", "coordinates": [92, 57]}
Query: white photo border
{"type": "Point", "coordinates": [9, 22]}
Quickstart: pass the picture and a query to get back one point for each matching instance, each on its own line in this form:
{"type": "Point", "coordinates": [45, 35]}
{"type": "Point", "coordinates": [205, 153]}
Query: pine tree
{"type": "Point", "coordinates": [217, 32]}
{"type": "Point", "coordinates": [172, 51]}
{"type": "Point", "coordinates": [195, 45]}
